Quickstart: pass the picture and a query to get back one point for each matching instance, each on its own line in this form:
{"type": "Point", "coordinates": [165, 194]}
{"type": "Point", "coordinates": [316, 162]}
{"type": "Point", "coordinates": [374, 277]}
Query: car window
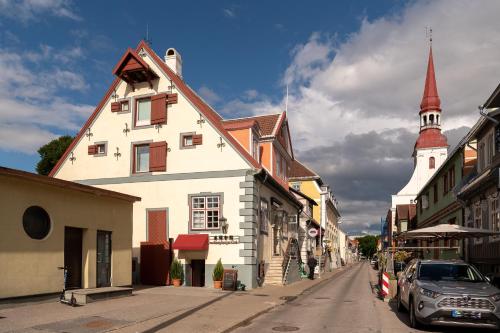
{"type": "Point", "coordinates": [449, 272]}
{"type": "Point", "coordinates": [411, 269]}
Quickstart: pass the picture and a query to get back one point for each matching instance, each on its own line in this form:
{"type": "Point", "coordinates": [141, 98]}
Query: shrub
{"type": "Point", "coordinates": [176, 271]}
{"type": "Point", "coordinates": [218, 272]}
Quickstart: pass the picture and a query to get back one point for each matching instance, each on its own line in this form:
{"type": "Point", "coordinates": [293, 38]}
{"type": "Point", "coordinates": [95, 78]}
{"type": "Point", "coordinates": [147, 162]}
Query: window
{"type": "Point", "coordinates": [431, 119]}
{"type": "Point", "coordinates": [445, 184]}
{"type": "Point", "coordinates": [494, 214]}
{"type": "Point", "coordinates": [255, 149]}
{"type": "Point", "coordinates": [124, 107]}
{"type": "Point", "coordinates": [264, 215]}
{"type": "Point", "coordinates": [432, 162]}
{"type": "Point", "coordinates": [278, 164]}
{"type": "Point", "coordinates": [141, 155]}
{"type": "Point", "coordinates": [435, 190]}
{"type": "Point", "coordinates": [101, 149]}
{"type": "Point", "coordinates": [36, 222]}
{"type": "Point", "coordinates": [296, 186]}
{"type": "Point", "coordinates": [477, 215]}
{"type": "Point", "coordinates": [452, 178]}
{"type": "Point", "coordinates": [205, 212]}
{"type": "Point", "coordinates": [187, 141]}
{"type": "Point", "coordinates": [143, 114]}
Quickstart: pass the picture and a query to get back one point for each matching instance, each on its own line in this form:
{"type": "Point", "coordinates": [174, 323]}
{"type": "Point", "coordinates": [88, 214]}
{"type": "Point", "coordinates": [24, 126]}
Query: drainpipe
{"type": "Point", "coordinates": [322, 222]}
{"type": "Point", "coordinates": [256, 172]}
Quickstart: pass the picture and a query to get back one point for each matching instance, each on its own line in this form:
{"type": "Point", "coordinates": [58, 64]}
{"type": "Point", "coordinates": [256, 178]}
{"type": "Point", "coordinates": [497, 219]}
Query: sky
{"type": "Point", "coordinates": [355, 72]}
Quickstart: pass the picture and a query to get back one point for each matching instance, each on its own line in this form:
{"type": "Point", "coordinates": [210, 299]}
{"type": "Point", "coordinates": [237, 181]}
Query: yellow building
{"type": "Point", "coordinates": [305, 180]}
{"type": "Point", "coordinates": [46, 223]}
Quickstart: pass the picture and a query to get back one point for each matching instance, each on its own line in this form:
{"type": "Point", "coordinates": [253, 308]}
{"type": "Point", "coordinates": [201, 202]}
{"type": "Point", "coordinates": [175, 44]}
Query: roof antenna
{"type": "Point", "coordinates": [147, 40]}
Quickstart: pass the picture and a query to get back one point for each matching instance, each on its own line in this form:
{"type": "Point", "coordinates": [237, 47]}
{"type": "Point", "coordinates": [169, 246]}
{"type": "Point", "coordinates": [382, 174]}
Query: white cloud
{"type": "Point", "coordinates": [31, 110]}
{"type": "Point", "coordinates": [208, 95]}
{"type": "Point", "coordinates": [372, 82]}
{"type": "Point", "coordinates": [229, 12]}
{"type": "Point", "coordinates": [27, 10]}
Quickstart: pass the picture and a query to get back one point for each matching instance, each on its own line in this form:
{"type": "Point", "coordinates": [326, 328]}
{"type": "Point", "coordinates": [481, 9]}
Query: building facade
{"type": "Point", "coordinates": [327, 213]}
{"type": "Point", "coordinates": [211, 188]}
{"type": "Point", "coordinates": [479, 192]}
{"type": "Point", "coordinates": [48, 223]}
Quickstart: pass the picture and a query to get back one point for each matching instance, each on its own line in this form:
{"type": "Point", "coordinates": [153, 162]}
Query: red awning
{"type": "Point", "coordinates": [195, 242]}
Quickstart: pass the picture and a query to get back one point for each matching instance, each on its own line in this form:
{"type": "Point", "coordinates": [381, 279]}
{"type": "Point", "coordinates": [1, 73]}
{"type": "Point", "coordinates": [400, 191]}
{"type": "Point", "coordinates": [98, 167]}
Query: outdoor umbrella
{"type": "Point", "coordinates": [447, 231]}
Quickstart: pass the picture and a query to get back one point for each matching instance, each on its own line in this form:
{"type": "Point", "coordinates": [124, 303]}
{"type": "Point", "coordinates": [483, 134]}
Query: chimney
{"type": "Point", "coordinates": [174, 61]}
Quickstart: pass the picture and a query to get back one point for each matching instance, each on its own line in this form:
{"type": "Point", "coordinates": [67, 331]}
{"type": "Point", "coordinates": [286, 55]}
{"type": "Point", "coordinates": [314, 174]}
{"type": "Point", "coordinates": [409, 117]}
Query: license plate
{"type": "Point", "coordinates": [465, 314]}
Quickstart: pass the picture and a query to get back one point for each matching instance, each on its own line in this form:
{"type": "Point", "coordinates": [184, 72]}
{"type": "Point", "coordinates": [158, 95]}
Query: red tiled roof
{"type": "Point", "coordinates": [266, 123]}
{"type": "Point", "coordinates": [406, 212]}
{"type": "Point", "coordinates": [431, 138]}
{"type": "Point", "coordinates": [299, 170]}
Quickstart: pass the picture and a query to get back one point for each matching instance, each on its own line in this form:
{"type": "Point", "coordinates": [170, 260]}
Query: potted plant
{"type": "Point", "coordinates": [176, 273]}
{"type": "Point", "coordinates": [218, 274]}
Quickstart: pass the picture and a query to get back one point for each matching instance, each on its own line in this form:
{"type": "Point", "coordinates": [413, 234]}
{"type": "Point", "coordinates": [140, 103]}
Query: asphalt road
{"type": "Point", "coordinates": [345, 303]}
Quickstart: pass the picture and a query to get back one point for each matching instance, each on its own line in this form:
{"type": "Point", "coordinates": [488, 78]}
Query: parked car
{"type": "Point", "coordinates": [448, 293]}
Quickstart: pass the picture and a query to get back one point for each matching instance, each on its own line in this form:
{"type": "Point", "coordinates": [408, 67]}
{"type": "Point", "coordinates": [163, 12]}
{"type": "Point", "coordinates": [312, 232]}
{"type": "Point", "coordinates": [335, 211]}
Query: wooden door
{"type": "Point", "coordinates": [103, 258]}
{"type": "Point", "coordinates": [73, 257]}
{"type": "Point", "coordinates": [198, 273]}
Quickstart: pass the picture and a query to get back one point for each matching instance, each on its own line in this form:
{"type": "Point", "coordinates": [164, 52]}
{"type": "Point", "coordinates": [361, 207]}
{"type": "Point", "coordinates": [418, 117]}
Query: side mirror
{"type": "Point", "coordinates": [488, 279]}
{"type": "Point", "coordinates": [410, 277]}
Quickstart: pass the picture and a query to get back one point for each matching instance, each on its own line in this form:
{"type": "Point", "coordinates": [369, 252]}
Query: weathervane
{"type": "Point", "coordinates": [428, 34]}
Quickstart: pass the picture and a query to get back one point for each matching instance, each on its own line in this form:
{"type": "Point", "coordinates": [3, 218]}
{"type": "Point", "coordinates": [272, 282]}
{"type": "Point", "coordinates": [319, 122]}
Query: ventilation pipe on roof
{"type": "Point", "coordinates": [173, 60]}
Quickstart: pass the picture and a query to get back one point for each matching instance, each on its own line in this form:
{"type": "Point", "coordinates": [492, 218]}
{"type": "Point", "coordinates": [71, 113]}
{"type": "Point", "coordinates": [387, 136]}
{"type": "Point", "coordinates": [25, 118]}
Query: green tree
{"type": "Point", "coordinates": [51, 152]}
{"type": "Point", "coordinates": [368, 245]}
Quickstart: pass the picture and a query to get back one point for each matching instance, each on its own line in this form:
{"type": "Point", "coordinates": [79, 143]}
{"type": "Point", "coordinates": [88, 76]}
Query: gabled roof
{"type": "Point", "coordinates": [35, 178]}
{"type": "Point", "coordinates": [207, 112]}
{"type": "Point", "coordinates": [267, 123]}
{"type": "Point", "coordinates": [133, 69]}
{"type": "Point", "coordinates": [299, 170]}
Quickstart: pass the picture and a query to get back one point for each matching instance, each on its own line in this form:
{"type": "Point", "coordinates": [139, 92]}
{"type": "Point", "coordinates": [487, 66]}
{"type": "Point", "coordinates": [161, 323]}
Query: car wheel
{"type": "Point", "coordinates": [400, 304]}
{"type": "Point", "coordinates": [413, 319]}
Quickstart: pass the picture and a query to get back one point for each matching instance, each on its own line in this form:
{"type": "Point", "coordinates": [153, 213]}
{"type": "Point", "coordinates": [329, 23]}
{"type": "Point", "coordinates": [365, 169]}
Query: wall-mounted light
{"type": "Point", "coordinates": [72, 158]}
{"type": "Point", "coordinates": [117, 154]}
{"type": "Point", "coordinates": [89, 134]}
{"type": "Point", "coordinates": [223, 224]}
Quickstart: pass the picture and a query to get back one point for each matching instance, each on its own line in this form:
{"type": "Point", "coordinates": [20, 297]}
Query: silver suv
{"type": "Point", "coordinates": [448, 292]}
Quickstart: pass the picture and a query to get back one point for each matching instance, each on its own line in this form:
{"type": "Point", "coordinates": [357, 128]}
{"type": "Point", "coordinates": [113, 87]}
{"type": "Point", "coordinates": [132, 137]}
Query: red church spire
{"type": "Point", "coordinates": [430, 100]}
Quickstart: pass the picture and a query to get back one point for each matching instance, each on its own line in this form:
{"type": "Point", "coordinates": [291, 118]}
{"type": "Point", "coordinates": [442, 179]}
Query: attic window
{"type": "Point", "coordinates": [124, 106]}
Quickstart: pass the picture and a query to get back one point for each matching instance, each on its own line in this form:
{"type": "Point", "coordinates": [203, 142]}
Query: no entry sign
{"type": "Point", "coordinates": [312, 232]}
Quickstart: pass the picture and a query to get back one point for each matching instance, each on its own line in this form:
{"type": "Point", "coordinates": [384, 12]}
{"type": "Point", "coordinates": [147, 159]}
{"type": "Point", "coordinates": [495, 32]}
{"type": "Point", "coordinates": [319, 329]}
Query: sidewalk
{"type": "Point", "coordinates": [156, 309]}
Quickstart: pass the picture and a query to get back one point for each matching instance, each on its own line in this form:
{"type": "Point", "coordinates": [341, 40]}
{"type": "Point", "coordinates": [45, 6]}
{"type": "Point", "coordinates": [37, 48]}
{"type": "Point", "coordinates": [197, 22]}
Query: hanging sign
{"type": "Point", "coordinates": [312, 232]}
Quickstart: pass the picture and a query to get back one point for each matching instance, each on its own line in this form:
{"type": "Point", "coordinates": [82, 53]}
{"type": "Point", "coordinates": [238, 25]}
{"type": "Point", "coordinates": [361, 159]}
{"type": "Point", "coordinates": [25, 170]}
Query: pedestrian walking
{"type": "Point", "coordinates": [311, 262]}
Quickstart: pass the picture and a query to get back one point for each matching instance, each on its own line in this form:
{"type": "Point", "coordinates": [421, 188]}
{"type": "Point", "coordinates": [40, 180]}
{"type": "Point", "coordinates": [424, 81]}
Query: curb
{"type": "Point", "coordinates": [289, 299]}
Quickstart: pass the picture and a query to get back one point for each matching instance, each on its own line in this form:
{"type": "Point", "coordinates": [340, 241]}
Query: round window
{"type": "Point", "coordinates": [36, 222]}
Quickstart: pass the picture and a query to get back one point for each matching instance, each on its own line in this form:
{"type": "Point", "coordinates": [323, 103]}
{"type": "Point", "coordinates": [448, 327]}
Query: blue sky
{"type": "Point", "coordinates": [355, 70]}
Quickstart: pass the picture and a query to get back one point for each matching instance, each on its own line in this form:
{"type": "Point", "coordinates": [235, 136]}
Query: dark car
{"type": "Point", "coordinates": [448, 292]}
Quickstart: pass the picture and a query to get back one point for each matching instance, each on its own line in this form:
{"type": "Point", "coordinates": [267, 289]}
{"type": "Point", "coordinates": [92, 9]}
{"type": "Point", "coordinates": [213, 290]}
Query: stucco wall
{"type": "Point", "coordinates": [29, 266]}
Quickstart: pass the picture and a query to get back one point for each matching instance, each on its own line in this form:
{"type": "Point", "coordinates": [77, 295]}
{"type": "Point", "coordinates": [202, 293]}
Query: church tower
{"type": "Point", "coordinates": [431, 147]}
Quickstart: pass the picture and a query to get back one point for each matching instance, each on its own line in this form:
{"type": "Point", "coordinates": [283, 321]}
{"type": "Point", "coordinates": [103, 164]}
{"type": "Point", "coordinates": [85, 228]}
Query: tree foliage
{"type": "Point", "coordinates": [51, 152]}
{"type": "Point", "coordinates": [368, 245]}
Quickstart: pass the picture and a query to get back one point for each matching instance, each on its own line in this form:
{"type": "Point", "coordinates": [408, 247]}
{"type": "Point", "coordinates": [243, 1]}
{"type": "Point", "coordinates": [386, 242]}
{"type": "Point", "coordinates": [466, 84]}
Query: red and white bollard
{"type": "Point", "coordinates": [385, 284]}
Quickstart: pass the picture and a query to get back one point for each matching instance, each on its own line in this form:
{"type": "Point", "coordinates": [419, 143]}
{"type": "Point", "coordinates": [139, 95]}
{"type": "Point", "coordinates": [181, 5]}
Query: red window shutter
{"type": "Point", "coordinates": [92, 149]}
{"type": "Point", "coordinates": [171, 98]}
{"type": "Point", "coordinates": [158, 156]}
{"type": "Point", "coordinates": [157, 226]}
{"type": "Point", "coordinates": [159, 109]}
{"type": "Point", "coordinates": [197, 139]}
{"type": "Point", "coordinates": [116, 107]}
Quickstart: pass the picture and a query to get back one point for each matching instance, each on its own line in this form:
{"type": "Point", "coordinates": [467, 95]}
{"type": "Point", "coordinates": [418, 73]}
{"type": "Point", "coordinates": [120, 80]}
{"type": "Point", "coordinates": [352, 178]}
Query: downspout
{"type": "Point", "coordinates": [485, 114]}
{"type": "Point", "coordinates": [256, 172]}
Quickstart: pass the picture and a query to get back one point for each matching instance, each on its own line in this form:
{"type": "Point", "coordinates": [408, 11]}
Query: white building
{"type": "Point", "coordinates": [218, 188]}
{"type": "Point", "coordinates": [431, 147]}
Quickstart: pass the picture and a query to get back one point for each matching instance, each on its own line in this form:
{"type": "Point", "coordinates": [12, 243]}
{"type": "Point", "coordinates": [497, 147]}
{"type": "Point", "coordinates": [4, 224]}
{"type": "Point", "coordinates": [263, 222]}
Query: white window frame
{"type": "Point", "coordinates": [206, 210]}
{"type": "Point", "coordinates": [264, 215]}
{"type": "Point", "coordinates": [136, 158]}
{"type": "Point", "coordinates": [146, 122]}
